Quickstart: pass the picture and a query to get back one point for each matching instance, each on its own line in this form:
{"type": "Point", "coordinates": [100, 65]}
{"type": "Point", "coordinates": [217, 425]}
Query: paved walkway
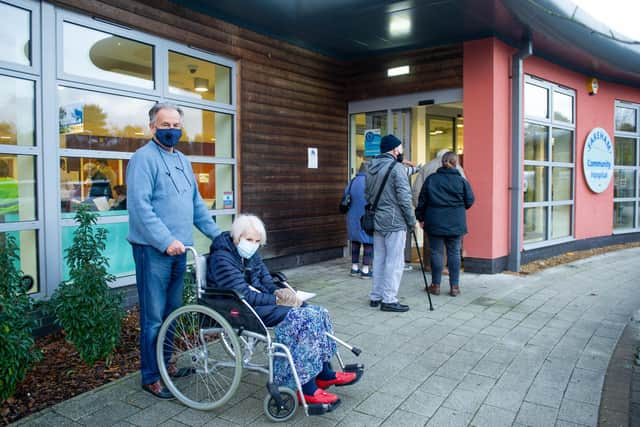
{"type": "Point", "coordinates": [509, 351]}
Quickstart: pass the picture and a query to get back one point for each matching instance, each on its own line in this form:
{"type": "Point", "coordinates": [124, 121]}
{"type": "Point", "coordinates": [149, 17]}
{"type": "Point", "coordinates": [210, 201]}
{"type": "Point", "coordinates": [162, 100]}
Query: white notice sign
{"type": "Point", "coordinates": [312, 154]}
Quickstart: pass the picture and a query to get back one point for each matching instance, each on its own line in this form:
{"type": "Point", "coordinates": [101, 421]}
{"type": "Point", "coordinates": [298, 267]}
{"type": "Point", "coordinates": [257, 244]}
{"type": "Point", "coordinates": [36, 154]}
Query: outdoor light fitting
{"type": "Point", "coordinates": [398, 71]}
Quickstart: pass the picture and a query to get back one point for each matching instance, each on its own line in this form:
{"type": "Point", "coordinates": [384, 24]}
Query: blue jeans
{"type": "Point", "coordinates": [436, 244]}
{"type": "Point", "coordinates": [160, 281]}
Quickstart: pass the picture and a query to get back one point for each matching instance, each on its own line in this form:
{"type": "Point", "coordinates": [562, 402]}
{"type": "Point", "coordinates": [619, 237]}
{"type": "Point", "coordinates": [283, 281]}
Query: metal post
{"type": "Point", "coordinates": [517, 78]}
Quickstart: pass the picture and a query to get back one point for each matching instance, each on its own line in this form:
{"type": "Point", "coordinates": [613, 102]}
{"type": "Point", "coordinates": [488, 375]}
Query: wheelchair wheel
{"type": "Point", "coordinates": [204, 376]}
{"type": "Point", "coordinates": [286, 411]}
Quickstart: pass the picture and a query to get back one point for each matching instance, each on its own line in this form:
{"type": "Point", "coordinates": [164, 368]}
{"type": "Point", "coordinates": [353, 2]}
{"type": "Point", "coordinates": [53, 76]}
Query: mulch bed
{"type": "Point", "coordinates": [61, 374]}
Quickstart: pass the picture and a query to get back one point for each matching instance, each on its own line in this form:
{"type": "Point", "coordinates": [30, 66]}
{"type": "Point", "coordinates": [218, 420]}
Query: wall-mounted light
{"type": "Point", "coordinates": [398, 71]}
{"type": "Point", "coordinates": [592, 86]}
{"type": "Point", "coordinates": [200, 84]}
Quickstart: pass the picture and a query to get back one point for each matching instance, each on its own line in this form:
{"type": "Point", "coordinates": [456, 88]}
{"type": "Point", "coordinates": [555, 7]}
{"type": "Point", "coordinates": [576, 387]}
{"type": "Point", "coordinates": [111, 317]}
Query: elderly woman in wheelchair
{"type": "Point", "coordinates": [239, 308]}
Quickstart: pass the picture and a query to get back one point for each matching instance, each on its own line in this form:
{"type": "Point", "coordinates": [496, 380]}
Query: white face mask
{"type": "Point", "coordinates": [246, 249]}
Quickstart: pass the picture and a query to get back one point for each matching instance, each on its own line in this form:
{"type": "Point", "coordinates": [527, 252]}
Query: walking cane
{"type": "Point", "coordinates": [424, 276]}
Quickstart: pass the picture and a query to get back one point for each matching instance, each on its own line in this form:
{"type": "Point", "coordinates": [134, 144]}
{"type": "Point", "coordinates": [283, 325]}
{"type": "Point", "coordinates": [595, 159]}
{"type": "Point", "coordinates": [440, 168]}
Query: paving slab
{"type": "Point", "coordinates": [509, 351]}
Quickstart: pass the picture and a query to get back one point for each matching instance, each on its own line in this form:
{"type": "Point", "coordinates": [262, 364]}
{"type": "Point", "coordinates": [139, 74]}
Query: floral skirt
{"type": "Point", "coordinates": [303, 331]}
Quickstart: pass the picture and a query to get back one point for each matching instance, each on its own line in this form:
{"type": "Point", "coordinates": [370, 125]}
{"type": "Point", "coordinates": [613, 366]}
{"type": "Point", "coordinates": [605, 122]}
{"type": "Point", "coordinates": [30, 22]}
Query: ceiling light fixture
{"type": "Point", "coordinates": [398, 71]}
{"type": "Point", "coordinates": [200, 84]}
{"type": "Point", "coordinates": [400, 24]}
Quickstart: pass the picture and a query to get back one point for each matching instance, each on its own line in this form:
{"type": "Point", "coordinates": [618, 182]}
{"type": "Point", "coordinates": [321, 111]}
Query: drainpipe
{"type": "Point", "coordinates": [517, 78]}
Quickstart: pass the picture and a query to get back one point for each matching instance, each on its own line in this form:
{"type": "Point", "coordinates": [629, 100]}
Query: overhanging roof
{"type": "Point", "coordinates": [348, 29]}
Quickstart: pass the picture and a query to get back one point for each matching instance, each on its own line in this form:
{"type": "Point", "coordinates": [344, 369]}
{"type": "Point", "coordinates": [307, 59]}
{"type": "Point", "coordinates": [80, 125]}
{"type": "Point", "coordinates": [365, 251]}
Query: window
{"type": "Point", "coordinates": [15, 35]}
{"type": "Point", "coordinates": [20, 153]}
{"type": "Point", "coordinates": [549, 164]}
{"type": "Point", "coordinates": [109, 79]}
{"type": "Point", "coordinates": [626, 168]}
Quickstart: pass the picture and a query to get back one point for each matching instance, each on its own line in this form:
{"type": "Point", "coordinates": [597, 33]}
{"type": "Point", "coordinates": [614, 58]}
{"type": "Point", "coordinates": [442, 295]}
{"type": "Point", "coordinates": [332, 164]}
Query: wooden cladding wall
{"type": "Point", "coordinates": [289, 99]}
{"type": "Point", "coordinates": [431, 69]}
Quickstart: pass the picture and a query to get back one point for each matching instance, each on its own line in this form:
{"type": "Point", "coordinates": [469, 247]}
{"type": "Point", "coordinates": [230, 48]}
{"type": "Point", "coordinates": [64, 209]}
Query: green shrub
{"type": "Point", "coordinates": [17, 347]}
{"type": "Point", "coordinates": [85, 307]}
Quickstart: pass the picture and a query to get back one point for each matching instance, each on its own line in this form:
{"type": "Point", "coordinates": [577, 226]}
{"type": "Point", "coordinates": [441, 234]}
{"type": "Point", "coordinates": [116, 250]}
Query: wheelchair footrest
{"type": "Point", "coordinates": [321, 408]}
{"type": "Point", "coordinates": [358, 368]}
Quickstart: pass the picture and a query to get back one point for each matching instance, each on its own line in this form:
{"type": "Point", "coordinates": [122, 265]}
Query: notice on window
{"type": "Point", "coordinates": [227, 200]}
{"type": "Point", "coordinates": [312, 158]}
{"type": "Point", "coordinates": [71, 118]}
{"type": "Point", "coordinates": [371, 142]}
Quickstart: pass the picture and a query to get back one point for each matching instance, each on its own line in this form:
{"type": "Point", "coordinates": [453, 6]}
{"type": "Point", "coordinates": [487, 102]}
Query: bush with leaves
{"type": "Point", "coordinates": [17, 347]}
{"type": "Point", "coordinates": [86, 308]}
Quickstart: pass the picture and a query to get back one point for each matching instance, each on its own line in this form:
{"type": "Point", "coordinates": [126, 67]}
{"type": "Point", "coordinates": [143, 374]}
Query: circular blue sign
{"type": "Point", "coordinates": [597, 160]}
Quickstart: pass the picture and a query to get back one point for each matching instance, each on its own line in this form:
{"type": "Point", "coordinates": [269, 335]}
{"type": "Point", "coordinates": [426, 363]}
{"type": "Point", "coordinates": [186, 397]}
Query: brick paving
{"type": "Point", "coordinates": [509, 351]}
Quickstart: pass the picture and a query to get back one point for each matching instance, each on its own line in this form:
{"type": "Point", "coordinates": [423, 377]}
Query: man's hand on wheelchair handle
{"type": "Point", "coordinates": [175, 248]}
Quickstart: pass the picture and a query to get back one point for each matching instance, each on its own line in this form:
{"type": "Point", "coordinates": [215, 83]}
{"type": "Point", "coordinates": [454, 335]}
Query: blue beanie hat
{"type": "Point", "coordinates": [388, 143]}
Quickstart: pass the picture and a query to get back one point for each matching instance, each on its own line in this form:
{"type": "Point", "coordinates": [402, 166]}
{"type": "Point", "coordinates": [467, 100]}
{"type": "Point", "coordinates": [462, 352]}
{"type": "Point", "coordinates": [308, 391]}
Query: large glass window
{"type": "Point", "coordinates": [27, 243]}
{"type": "Point", "coordinates": [15, 35]}
{"type": "Point", "coordinates": [548, 161]}
{"type": "Point", "coordinates": [626, 171]}
{"type": "Point", "coordinates": [196, 78]}
{"type": "Point", "coordinates": [17, 188]}
{"type": "Point", "coordinates": [361, 123]}
{"type": "Point", "coordinates": [17, 120]}
{"type": "Point", "coordinates": [102, 56]}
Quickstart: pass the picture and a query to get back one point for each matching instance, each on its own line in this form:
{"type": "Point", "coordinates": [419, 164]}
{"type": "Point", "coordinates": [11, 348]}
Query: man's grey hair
{"type": "Point", "coordinates": [153, 112]}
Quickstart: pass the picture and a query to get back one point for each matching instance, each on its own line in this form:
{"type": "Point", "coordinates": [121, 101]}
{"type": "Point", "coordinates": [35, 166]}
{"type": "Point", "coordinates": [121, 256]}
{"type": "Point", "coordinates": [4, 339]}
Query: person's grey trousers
{"type": "Point", "coordinates": [388, 265]}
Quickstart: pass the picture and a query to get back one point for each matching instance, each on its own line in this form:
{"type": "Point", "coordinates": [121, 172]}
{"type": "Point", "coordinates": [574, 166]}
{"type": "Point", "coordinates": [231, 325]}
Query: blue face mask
{"type": "Point", "coordinates": [168, 137]}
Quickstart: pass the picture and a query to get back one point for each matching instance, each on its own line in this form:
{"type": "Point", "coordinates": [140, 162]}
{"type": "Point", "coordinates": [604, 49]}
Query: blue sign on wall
{"type": "Point", "coordinates": [371, 142]}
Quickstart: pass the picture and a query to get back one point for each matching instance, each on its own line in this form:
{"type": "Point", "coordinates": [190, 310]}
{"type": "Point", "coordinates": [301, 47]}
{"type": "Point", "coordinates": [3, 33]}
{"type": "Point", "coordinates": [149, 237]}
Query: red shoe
{"type": "Point", "coordinates": [321, 396]}
{"type": "Point", "coordinates": [342, 378]}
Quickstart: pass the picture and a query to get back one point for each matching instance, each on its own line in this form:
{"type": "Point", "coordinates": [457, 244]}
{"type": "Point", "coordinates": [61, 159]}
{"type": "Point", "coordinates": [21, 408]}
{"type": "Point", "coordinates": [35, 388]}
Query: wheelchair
{"type": "Point", "coordinates": [203, 348]}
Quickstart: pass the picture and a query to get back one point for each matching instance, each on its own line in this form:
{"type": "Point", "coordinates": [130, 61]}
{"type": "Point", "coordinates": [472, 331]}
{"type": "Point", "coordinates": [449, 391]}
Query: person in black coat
{"type": "Point", "coordinates": [444, 199]}
{"type": "Point", "coordinates": [234, 263]}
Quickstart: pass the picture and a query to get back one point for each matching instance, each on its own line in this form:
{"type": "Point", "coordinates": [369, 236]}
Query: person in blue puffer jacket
{"type": "Point", "coordinates": [355, 233]}
{"type": "Point", "coordinates": [234, 263]}
{"type": "Point", "coordinates": [444, 199]}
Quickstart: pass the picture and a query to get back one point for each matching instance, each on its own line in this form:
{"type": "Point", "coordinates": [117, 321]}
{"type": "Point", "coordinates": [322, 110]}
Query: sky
{"type": "Point", "coordinates": [620, 15]}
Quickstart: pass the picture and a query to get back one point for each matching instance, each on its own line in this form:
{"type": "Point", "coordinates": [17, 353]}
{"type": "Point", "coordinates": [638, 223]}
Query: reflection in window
{"type": "Point", "coordinates": [562, 107]}
{"type": "Point", "coordinates": [27, 243]}
{"type": "Point", "coordinates": [624, 183]}
{"type": "Point", "coordinates": [624, 214]}
{"type": "Point", "coordinates": [562, 146]}
{"type": "Point", "coordinates": [205, 133]}
{"type": "Point", "coordinates": [98, 121]}
{"type": "Point", "coordinates": [98, 183]}
{"type": "Point", "coordinates": [17, 111]}
{"type": "Point", "coordinates": [97, 55]}
{"type": "Point", "coordinates": [626, 119]}
{"type": "Point", "coordinates": [535, 224]}
{"type": "Point", "coordinates": [562, 184]}
{"type": "Point", "coordinates": [440, 136]}
{"type": "Point", "coordinates": [560, 221]}
{"type": "Point", "coordinates": [15, 35]}
{"type": "Point", "coordinates": [535, 142]}
{"type": "Point", "coordinates": [195, 78]}
{"type": "Point", "coordinates": [17, 188]}
{"type": "Point", "coordinates": [536, 183]}
{"type": "Point", "coordinates": [215, 183]}
{"type": "Point", "coordinates": [536, 101]}
{"type": "Point", "coordinates": [625, 151]}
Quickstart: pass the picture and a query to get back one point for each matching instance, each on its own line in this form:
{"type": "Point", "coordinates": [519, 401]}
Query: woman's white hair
{"type": "Point", "coordinates": [247, 222]}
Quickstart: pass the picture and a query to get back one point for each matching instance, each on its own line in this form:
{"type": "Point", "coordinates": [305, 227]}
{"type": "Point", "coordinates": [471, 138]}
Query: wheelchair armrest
{"type": "Point", "coordinates": [221, 292]}
{"type": "Point", "coordinates": [280, 280]}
